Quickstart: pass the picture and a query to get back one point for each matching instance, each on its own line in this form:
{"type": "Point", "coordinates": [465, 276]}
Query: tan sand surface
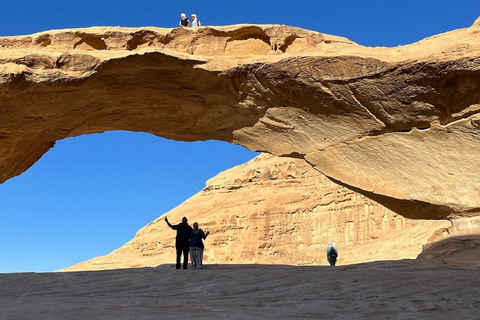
{"type": "Point", "coordinates": [404, 289]}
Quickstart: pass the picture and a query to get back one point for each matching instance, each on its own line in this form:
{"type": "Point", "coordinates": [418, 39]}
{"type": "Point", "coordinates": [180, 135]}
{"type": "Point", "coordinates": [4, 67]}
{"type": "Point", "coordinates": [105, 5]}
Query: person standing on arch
{"type": "Point", "coordinates": [184, 22]}
{"type": "Point", "coordinates": [195, 21]}
{"type": "Point", "coordinates": [182, 240]}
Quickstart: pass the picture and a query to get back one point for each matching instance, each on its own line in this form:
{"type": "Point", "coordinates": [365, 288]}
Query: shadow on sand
{"type": "Point", "coordinates": [403, 289]}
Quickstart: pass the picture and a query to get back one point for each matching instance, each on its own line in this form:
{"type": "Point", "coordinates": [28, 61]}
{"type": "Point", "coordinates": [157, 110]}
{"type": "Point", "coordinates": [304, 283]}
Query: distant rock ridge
{"type": "Point", "coordinates": [275, 210]}
{"type": "Point", "coordinates": [399, 125]}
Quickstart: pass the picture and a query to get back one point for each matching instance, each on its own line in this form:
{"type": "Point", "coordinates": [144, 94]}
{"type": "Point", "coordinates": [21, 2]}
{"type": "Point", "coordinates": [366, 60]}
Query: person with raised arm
{"type": "Point", "coordinates": [182, 240]}
{"type": "Point", "coordinates": [197, 246]}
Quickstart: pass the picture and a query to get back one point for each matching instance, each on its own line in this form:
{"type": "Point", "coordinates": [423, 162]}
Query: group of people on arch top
{"type": "Point", "coordinates": [189, 239]}
{"type": "Point", "coordinates": [185, 23]}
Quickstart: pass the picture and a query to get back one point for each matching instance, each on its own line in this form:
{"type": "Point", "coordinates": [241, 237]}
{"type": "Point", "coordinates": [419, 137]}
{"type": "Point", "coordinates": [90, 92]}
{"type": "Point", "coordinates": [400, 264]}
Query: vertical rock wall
{"type": "Point", "coordinates": [275, 210]}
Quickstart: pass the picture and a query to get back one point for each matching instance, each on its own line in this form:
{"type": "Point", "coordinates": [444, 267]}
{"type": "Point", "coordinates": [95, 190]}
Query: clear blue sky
{"type": "Point", "coordinates": [91, 194]}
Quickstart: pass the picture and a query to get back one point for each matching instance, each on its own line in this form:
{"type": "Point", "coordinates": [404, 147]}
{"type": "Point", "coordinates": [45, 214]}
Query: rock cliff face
{"type": "Point", "coordinates": [399, 125]}
{"type": "Point", "coordinates": [275, 210]}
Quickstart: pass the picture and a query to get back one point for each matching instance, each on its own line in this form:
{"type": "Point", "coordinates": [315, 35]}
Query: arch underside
{"type": "Point", "coordinates": [403, 132]}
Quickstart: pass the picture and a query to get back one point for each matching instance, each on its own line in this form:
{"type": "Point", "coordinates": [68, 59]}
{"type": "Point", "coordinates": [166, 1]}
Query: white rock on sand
{"type": "Point", "coordinates": [405, 289]}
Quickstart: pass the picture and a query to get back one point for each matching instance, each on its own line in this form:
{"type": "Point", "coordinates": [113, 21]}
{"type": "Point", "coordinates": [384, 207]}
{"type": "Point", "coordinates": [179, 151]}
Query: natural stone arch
{"type": "Point", "coordinates": [399, 125]}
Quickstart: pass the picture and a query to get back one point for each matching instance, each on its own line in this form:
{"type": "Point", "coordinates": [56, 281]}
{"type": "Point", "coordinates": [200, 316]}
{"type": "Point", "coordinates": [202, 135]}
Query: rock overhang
{"type": "Point", "coordinates": [397, 124]}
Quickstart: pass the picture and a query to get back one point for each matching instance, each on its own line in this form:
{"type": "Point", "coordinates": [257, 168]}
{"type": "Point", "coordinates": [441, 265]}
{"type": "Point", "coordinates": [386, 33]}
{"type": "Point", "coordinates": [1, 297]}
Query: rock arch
{"type": "Point", "coordinates": [400, 125]}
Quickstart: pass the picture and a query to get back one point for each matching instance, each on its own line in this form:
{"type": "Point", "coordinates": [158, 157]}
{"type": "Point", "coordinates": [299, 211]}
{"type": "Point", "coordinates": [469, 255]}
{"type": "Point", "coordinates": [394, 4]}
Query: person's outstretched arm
{"type": "Point", "coordinates": [205, 234]}
{"type": "Point", "coordinates": [168, 223]}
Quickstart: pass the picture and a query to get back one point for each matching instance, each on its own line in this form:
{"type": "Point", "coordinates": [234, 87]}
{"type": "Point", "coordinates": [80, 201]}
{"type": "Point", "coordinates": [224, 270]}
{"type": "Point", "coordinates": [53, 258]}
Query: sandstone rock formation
{"type": "Point", "coordinates": [399, 125]}
{"type": "Point", "coordinates": [462, 247]}
{"type": "Point", "coordinates": [405, 289]}
{"type": "Point", "coordinates": [462, 250]}
{"type": "Point", "coordinates": [275, 210]}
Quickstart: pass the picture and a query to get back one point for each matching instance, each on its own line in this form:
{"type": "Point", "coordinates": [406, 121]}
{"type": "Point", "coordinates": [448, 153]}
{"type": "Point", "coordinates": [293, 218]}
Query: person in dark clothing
{"type": "Point", "coordinates": [332, 253]}
{"type": "Point", "coordinates": [197, 246]}
{"type": "Point", "coordinates": [184, 22]}
{"type": "Point", "coordinates": [182, 240]}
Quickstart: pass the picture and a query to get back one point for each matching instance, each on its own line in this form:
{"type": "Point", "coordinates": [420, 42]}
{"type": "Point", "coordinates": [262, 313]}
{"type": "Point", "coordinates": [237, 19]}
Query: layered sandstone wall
{"type": "Point", "coordinates": [275, 210]}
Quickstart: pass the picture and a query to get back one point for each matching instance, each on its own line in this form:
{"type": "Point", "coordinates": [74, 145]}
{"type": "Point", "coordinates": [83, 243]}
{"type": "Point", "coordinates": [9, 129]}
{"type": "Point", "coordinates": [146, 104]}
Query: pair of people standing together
{"type": "Point", "coordinates": [189, 239]}
{"type": "Point", "coordinates": [184, 22]}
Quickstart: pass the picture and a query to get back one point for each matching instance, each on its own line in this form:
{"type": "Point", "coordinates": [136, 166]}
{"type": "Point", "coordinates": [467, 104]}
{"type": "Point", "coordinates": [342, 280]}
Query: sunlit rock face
{"type": "Point", "coordinates": [399, 125]}
{"type": "Point", "coordinates": [275, 210]}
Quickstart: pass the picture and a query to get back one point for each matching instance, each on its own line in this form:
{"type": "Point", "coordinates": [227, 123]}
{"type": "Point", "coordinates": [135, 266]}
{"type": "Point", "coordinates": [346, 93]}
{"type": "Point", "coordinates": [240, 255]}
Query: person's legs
{"type": "Point", "coordinates": [193, 256]}
{"type": "Point", "coordinates": [179, 256]}
{"type": "Point", "coordinates": [200, 258]}
{"type": "Point", "coordinates": [185, 257]}
{"type": "Point", "coordinates": [332, 261]}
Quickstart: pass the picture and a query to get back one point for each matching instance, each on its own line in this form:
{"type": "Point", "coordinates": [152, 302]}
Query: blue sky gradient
{"type": "Point", "coordinates": [91, 194]}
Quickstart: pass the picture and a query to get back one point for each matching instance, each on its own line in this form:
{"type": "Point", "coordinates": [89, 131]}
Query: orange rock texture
{"type": "Point", "coordinates": [275, 210]}
{"type": "Point", "coordinates": [398, 125]}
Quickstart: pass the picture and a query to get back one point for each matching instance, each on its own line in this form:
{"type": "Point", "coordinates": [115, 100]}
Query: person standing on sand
{"type": "Point", "coordinates": [182, 240]}
{"type": "Point", "coordinates": [197, 246]}
{"type": "Point", "coordinates": [332, 253]}
{"type": "Point", "coordinates": [184, 22]}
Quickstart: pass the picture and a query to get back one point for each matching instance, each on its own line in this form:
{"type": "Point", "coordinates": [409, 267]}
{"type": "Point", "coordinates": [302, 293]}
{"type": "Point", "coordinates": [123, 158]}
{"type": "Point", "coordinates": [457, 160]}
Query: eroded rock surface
{"type": "Point", "coordinates": [275, 210]}
{"type": "Point", "coordinates": [406, 289]}
{"type": "Point", "coordinates": [400, 125]}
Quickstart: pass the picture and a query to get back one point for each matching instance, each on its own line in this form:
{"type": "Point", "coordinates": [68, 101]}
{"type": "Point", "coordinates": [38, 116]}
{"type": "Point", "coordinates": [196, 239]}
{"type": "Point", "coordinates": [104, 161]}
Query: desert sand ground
{"type": "Point", "coordinates": [403, 289]}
